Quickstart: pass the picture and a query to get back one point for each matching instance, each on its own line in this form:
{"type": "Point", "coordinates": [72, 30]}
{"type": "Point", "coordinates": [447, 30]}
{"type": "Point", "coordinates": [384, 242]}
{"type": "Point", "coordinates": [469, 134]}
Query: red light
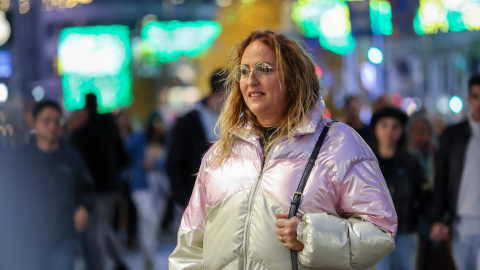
{"type": "Point", "coordinates": [397, 100]}
{"type": "Point", "coordinates": [328, 114]}
{"type": "Point", "coordinates": [319, 71]}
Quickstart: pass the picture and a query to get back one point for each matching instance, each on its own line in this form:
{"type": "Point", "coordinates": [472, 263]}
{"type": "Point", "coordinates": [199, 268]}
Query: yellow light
{"type": "Point", "coordinates": [24, 7]}
{"type": "Point", "coordinates": [55, 2]}
{"type": "Point", "coordinates": [5, 4]}
{"type": "Point", "coordinates": [71, 3]}
{"type": "Point", "coordinates": [84, 1]}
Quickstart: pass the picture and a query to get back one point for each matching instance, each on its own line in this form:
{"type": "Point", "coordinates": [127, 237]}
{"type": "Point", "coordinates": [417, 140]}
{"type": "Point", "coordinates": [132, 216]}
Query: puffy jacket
{"type": "Point", "coordinates": [230, 220]}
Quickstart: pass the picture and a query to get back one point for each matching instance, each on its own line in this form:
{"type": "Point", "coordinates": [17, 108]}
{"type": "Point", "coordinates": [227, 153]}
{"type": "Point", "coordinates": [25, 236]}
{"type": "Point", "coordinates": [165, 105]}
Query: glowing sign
{"type": "Point", "coordinates": [375, 55]}
{"type": "Point", "coordinates": [447, 15]}
{"type": "Point", "coordinates": [381, 17]}
{"type": "Point", "coordinates": [327, 20]}
{"type": "Point", "coordinates": [456, 104]}
{"type": "Point", "coordinates": [169, 40]}
{"type": "Point", "coordinates": [95, 59]}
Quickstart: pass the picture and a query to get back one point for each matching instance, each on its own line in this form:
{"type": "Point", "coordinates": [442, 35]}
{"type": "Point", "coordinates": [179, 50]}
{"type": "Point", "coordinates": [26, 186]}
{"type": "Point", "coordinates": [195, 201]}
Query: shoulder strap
{"type": "Point", "coordinates": [297, 196]}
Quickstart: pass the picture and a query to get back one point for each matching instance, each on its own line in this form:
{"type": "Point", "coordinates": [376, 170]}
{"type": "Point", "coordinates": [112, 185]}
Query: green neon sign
{"type": "Point", "coordinates": [166, 41]}
{"type": "Point", "coordinates": [329, 21]}
{"type": "Point", "coordinates": [95, 59]}
{"type": "Point", "coordinates": [381, 17]}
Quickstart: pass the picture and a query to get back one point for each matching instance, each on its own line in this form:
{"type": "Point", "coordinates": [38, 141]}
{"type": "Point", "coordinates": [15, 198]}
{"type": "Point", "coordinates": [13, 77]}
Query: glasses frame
{"type": "Point", "coordinates": [270, 68]}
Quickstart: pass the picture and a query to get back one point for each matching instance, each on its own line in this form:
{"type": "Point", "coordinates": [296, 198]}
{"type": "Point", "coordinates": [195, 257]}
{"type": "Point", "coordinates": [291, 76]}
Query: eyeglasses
{"type": "Point", "coordinates": [261, 70]}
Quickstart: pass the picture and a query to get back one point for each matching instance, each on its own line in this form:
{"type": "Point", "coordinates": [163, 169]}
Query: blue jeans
{"type": "Point", "coordinates": [466, 250]}
{"type": "Point", "coordinates": [404, 257]}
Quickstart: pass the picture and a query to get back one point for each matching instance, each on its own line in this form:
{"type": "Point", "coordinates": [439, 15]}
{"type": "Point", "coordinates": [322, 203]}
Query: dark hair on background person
{"type": "Point", "coordinates": [154, 123]}
{"type": "Point", "coordinates": [217, 80]}
{"type": "Point", "coordinates": [45, 104]}
{"type": "Point", "coordinates": [474, 80]}
{"type": "Point", "coordinates": [402, 144]}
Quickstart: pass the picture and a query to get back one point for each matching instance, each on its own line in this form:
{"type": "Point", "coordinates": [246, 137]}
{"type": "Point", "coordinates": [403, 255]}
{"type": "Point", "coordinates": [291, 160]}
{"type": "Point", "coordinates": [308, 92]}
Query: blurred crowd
{"type": "Point", "coordinates": [92, 183]}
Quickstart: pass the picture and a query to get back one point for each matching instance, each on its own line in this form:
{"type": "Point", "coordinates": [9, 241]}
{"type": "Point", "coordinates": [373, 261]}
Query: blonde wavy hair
{"type": "Point", "coordinates": [297, 71]}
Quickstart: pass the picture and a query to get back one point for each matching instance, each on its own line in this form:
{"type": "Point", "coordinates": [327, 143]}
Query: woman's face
{"type": "Point", "coordinates": [388, 131]}
{"type": "Point", "coordinates": [265, 98]}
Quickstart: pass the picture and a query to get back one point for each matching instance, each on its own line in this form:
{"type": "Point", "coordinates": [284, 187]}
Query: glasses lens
{"type": "Point", "coordinates": [241, 73]}
{"type": "Point", "coordinates": [262, 70]}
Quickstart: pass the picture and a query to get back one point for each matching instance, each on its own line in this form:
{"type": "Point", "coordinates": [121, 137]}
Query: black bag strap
{"type": "Point", "coordinates": [297, 196]}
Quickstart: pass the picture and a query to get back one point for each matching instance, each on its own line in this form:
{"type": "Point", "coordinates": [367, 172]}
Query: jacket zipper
{"type": "Point", "coordinates": [250, 203]}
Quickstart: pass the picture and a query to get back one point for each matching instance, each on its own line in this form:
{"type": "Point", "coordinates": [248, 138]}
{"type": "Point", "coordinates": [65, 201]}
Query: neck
{"type": "Point", "coordinates": [476, 117]}
{"type": "Point", "coordinates": [48, 145]}
{"type": "Point", "coordinates": [386, 151]}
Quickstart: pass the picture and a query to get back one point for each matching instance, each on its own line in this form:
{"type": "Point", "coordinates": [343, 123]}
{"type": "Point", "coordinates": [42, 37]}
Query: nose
{"type": "Point", "coordinates": [252, 79]}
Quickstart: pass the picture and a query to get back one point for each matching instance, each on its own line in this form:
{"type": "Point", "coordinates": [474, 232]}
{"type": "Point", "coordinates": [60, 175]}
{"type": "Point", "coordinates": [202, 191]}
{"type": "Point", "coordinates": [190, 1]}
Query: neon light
{"type": "Point", "coordinates": [167, 41]}
{"type": "Point", "coordinates": [447, 16]}
{"type": "Point", "coordinates": [381, 17]}
{"type": "Point", "coordinates": [95, 59]}
{"type": "Point", "coordinates": [327, 20]}
{"type": "Point", "coordinates": [375, 55]}
{"type": "Point", "coordinates": [456, 104]}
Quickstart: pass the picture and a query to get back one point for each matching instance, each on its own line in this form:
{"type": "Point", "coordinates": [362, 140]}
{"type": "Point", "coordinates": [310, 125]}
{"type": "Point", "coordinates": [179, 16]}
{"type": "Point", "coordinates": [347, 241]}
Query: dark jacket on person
{"type": "Point", "coordinates": [100, 144]}
{"type": "Point", "coordinates": [188, 145]}
{"type": "Point", "coordinates": [404, 177]}
{"type": "Point", "coordinates": [448, 172]}
{"type": "Point", "coordinates": [39, 193]}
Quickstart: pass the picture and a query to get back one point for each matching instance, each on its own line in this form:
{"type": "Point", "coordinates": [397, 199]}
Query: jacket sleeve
{"type": "Point", "coordinates": [189, 251]}
{"type": "Point", "coordinates": [362, 230]}
{"type": "Point", "coordinates": [439, 207]}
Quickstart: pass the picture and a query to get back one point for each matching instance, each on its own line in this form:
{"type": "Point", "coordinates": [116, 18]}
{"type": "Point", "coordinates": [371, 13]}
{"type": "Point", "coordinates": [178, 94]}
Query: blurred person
{"type": "Point", "coordinates": [101, 146]}
{"type": "Point", "coordinates": [380, 103]}
{"type": "Point", "coordinates": [273, 117]}
{"type": "Point", "coordinates": [405, 180]}
{"type": "Point", "coordinates": [421, 134]}
{"type": "Point", "coordinates": [352, 117]}
{"type": "Point", "coordinates": [44, 198]}
{"type": "Point", "coordinates": [192, 135]}
{"type": "Point", "coordinates": [456, 198]}
{"type": "Point", "coordinates": [127, 213]}
{"type": "Point", "coordinates": [149, 184]}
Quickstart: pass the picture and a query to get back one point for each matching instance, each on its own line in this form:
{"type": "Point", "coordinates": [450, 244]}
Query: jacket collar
{"type": "Point", "coordinates": [308, 126]}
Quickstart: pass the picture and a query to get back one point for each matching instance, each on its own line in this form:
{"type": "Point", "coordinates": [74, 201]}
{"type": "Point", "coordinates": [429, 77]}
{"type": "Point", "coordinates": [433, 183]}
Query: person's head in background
{"type": "Point", "coordinates": [155, 129]}
{"type": "Point", "coordinates": [352, 112]}
{"type": "Point", "coordinates": [389, 136]}
{"type": "Point", "coordinates": [91, 103]}
{"type": "Point", "coordinates": [380, 103]}
{"type": "Point", "coordinates": [46, 120]}
{"type": "Point", "coordinates": [474, 97]}
{"type": "Point", "coordinates": [420, 132]}
{"type": "Point", "coordinates": [217, 86]}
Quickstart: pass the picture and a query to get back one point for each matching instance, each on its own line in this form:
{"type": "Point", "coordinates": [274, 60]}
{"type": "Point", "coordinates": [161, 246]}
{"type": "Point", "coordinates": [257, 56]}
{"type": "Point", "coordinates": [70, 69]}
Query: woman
{"type": "Point", "coordinates": [149, 184]}
{"type": "Point", "coordinates": [273, 116]}
{"type": "Point", "coordinates": [405, 179]}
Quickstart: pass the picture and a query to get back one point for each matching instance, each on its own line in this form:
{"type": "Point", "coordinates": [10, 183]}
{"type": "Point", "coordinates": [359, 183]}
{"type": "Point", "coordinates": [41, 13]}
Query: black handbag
{"type": "Point", "coordinates": [297, 196]}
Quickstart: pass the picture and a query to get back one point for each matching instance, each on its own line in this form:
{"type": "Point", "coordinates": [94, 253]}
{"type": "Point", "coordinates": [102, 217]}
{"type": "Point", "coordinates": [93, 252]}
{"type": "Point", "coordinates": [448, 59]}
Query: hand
{"type": "Point", "coordinates": [287, 231]}
{"type": "Point", "coordinates": [80, 219]}
{"type": "Point", "coordinates": [439, 232]}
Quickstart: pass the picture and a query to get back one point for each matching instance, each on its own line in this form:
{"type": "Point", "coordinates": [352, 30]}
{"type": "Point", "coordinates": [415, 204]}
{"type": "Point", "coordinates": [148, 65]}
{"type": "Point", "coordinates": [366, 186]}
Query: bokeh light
{"type": "Point", "coordinates": [397, 100]}
{"type": "Point", "coordinates": [381, 17]}
{"type": "Point", "coordinates": [375, 55]}
{"type": "Point", "coordinates": [3, 92]}
{"type": "Point", "coordinates": [456, 104]}
{"type": "Point", "coordinates": [38, 93]}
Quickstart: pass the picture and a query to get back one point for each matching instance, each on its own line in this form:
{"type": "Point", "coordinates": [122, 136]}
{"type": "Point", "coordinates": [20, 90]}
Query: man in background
{"type": "Point", "coordinates": [457, 185]}
{"type": "Point", "coordinates": [101, 146]}
{"type": "Point", "coordinates": [45, 195]}
{"type": "Point", "coordinates": [192, 136]}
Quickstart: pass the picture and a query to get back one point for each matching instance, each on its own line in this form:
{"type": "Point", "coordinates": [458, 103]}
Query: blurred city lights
{"type": "Point", "coordinates": [456, 104]}
{"type": "Point", "coordinates": [95, 59]}
{"type": "Point", "coordinates": [327, 20]}
{"type": "Point", "coordinates": [38, 93]}
{"type": "Point", "coordinates": [328, 114]}
{"type": "Point", "coordinates": [5, 29]}
{"type": "Point", "coordinates": [365, 114]}
{"type": "Point", "coordinates": [442, 104]}
{"type": "Point", "coordinates": [381, 17]}
{"type": "Point", "coordinates": [224, 3]}
{"type": "Point", "coordinates": [4, 5]}
{"type": "Point", "coordinates": [3, 92]}
{"type": "Point", "coordinates": [375, 55]}
{"type": "Point", "coordinates": [368, 76]}
{"type": "Point", "coordinates": [5, 64]}
{"type": "Point", "coordinates": [168, 40]}
{"type": "Point", "coordinates": [397, 100]}
{"type": "Point", "coordinates": [319, 71]}
{"type": "Point", "coordinates": [447, 15]}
